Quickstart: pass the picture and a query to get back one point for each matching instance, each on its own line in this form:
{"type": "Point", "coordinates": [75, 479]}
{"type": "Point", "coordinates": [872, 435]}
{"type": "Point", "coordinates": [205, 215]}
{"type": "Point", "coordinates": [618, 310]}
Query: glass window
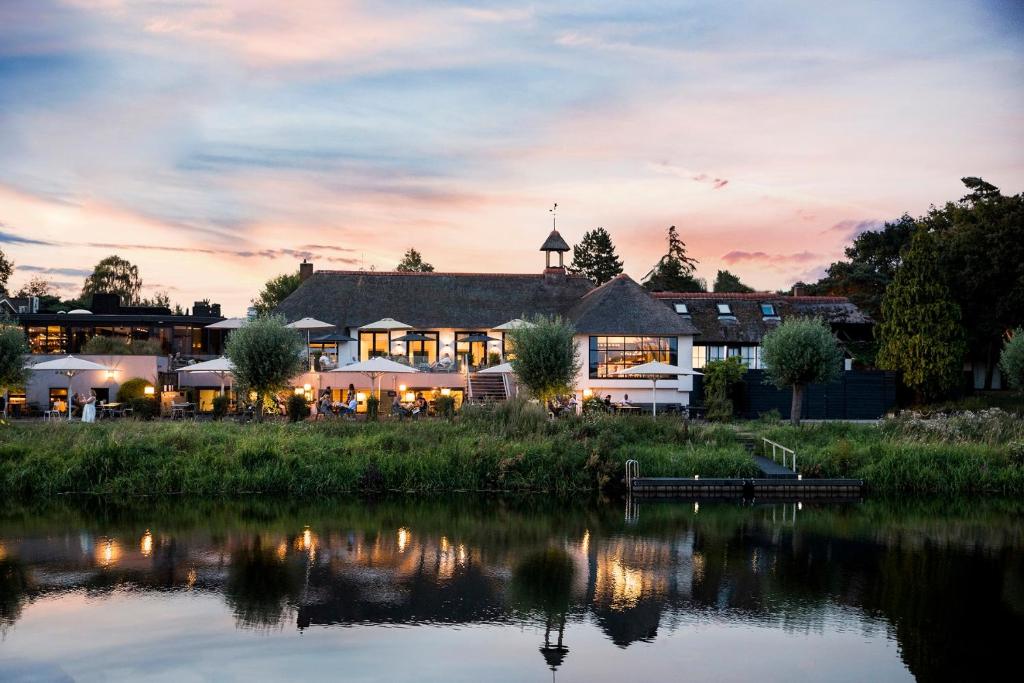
{"type": "Point", "coordinates": [724, 309]}
{"type": "Point", "coordinates": [700, 355]}
{"type": "Point", "coordinates": [47, 339]}
{"type": "Point", "coordinates": [682, 309]}
{"type": "Point", "coordinates": [768, 310]}
{"type": "Point", "coordinates": [716, 353]}
{"type": "Point", "coordinates": [423, 352]}
{"type": "Point", "coordinates": [751, 357]}
{"type": "Point", "coordinates": [373, 344]}
{"type": "Point", "coordinates": [472, 353]}
{"type": "Point", "coordinates": [609, 355]}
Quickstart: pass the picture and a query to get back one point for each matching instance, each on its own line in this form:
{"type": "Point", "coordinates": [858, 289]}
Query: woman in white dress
{"type": "Point", "coordinates": [89, 408]}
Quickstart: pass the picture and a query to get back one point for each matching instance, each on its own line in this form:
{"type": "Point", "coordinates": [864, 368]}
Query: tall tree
{"type": "Point", "coordinates": [159, 299]}
{"type": "Point", "coordinates": [114, 275]}
{"type": "Point", "coordinates": [547, 359]}
{"type": "Point", "coordinates": [727, 282]}
{"type": "Point", "coordinates": [266, 354]}
{"type": "Point", "coordinates": [595, 258]}
{"type": "Point", "coordinates": [799, 352]}
{"type": "Point", "coordinates": [1011, 361]}
{"type": "Point", "coordinates": [36, 286]}
{"type": "Point", "coordinates": [275, 291]}
{"type": "Point", "coordinates": [413, 262]}
{"type": "Point", "coordinates": [674, 271]}
{"type": "Point", "coordinates": [921, 334]}
{"type": "Point", "coordinates": [6, 268]}
{"type": "Point", "coordinates": [13, 349]}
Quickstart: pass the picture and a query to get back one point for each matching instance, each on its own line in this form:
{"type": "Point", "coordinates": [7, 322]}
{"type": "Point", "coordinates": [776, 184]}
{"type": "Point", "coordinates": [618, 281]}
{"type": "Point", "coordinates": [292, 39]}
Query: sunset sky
{"type": "Point", "coordinates": [216, 143]}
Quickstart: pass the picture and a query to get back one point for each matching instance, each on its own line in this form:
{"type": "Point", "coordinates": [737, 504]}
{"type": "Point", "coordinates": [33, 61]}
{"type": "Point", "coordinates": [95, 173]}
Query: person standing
{"type": "Point", "coordinates": [89, 407]}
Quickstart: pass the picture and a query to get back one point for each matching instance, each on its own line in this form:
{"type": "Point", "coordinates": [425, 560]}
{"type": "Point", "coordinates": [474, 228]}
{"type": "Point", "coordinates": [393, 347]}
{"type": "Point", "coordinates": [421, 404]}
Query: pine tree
{"type": "Point", "coordinates": [674, 271]}
{"type": "Point", "coordinates": [413, 262]}
{"type": "Point", "coordinates": [922, 335]}
{"type": "Point", "coordinates": [595, 257]}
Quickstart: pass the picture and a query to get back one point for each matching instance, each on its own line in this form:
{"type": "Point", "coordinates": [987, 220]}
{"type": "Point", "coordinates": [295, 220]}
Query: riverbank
{"type": "Point", "coordinates": [510, 449]}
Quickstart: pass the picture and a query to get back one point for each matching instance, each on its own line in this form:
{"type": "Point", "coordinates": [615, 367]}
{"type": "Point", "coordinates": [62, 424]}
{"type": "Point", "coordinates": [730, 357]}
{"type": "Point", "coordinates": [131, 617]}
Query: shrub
{"type": "Point", "coordinates": [298, 409]}
{"type": "Point", "coordinates": [720, 376]}
{"type": "Point", "coordinates": [493, 358]}
{"type": "Point", "coordinates": [594, 404]}
{"type": "Point", "coordinates": [547, 359]}
{"type": "Point", "coordinates": [13, 349]}
{"type": "Point", "coordinates": [132, 389]}
{"type": "Point", "coordinates": [1011, 361]}
{"type": "Point", "coordinates": [220, 406]}
{"type": "Point", "coordinates": [372, 407]}
{"type": "Point", "coordinates": [144, 408]}
{"type": "Point", "coordinates": [445, 406]}
{"type": "Point", "coordinates": [105, 346]}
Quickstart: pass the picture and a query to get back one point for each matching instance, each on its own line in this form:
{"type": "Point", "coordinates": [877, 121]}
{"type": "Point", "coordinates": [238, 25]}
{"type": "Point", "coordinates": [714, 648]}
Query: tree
{"type": "Point", "coordinates": [720, 376]}
{"type": "Point", "coordinates": [799, 352]}
{"type": "Point", "coordinates": [1011, 360]}
{"type": "Point", "coordinates": [413, 262]}
{"type": "Point", "coordinates": [36, 286]}
{"type": "Point", "coordinates": [266, 354]}
{"type": "Point", "coordinates": [6, 268]}
{"type": "Point", "coordinates": [275, 291]}
{"type": "Point", "coordinates": [594, 257]}
{"type": "Point", "coordinates": [921, 334]}
{"type": "Point", "coordinates": [13, 349]}
{"type": "Point", "coordinates": [727, 282]}
{"type": "Point", "coordinates": [159, 299]}
{"type": "Point", "coordinates": [114, 275]}
{"type": "Point", "coordinates": [674, 271]}
{"type": "Point", "coordinates": [547, 359]}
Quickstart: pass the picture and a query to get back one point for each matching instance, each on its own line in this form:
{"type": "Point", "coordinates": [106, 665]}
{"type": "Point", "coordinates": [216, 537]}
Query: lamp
{"type": "Point", "coordinates": [587, 393]}
{"type": "Point", "coordinates": [149, 391]}
{"type": "Point", "coordinates": [401, 388]}
{"type": "Point", "coordinates": [110, 374]}
{"type": "Point", "coordinates": [410, 397]}
{"type": "Point", "coordinates": [446, 392]}
{"type": "Point", "coordinates": [361, 396]}
{"type": "Point", "coordinates": [299, 391]}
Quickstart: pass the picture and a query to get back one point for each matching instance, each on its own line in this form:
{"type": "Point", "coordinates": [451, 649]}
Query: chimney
{"type": "Point", "coordinates": [798, 290]}
{"type": "Point", "coordinates": [305, 270]}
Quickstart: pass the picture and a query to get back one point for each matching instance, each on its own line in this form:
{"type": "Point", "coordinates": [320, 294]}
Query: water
{"type": "Point", "coordinates": [510, 590]}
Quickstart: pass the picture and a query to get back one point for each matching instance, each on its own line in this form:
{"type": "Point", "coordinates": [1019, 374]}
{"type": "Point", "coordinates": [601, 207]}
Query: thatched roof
{"type": "Point", "coordinates": [429, 301]}
{"type": "Point", "coordinates": [747, 323]}
{"type": "Point", "coordinates": [621, 306]}
{"type": "Point", "coordinates": [554, 242]}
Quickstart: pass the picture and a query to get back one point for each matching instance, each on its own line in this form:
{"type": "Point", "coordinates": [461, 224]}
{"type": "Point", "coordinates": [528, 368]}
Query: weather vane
{"type": "Point", "coordinates": [554, 216]}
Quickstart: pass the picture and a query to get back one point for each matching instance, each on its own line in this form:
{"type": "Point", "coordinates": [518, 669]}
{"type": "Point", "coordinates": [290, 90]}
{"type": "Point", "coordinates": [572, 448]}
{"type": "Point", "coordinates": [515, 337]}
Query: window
{"type": "Point", "coordinates": [609, 355]}
{"type": "Point", "coordinates": [700, 356]}
{"type": "Point", "coordinates": [373, 344]}
{"type": "Point", "coordinates": [751, 357]}
{"type": "Point", "coordinates": [682, 309]}
{"type": "Point", "coordinates": [421, 352]}
{"type": "Point", "coordinates": [473, 354]}
{"type": "Point", "coordinates": [768, 311]}
{"type": "Point", "coordinates": [716, 353]}
{"type": "Point", "coordinates": [724, 309]}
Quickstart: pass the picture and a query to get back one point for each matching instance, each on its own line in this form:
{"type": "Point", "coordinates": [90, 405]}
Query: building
{"type": "Point", "coordinates": [58, 333]}
{"type": "Point", "coordinates": [733, 324]}
{"type": "Point", "coordinates": [456, 324]}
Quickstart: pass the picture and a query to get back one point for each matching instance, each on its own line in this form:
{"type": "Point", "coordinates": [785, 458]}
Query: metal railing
{"type": "Point", "coordinates": [632, 472]}
{"type": "Point", "coordinates": [779, 448]}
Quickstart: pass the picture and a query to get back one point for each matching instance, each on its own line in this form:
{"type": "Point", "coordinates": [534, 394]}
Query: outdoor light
{"type": "Point", "coordinates": [696, 476]}
{"type": "Point", "coordinates": [446, 392]}
{"type": "Point", "coordinates": [110, 374]}
{"type": "Point", "coordinates": [361, 396]}
{"type": "Point", "coordinates": [410, 396]}
{"type": "Point", "coordinates": [401, 388]}
{"type": "Point", "coordinates": [149, 391]}
{"type": "Point", "coordinates": [299, 391]}
{"type": "Point", "coordinates": [587, 393]}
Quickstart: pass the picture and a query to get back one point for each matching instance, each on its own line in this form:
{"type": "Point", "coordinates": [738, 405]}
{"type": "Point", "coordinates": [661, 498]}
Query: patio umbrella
{"type": "Point", "coordinates": [503, 369]}
{"type": "Point", "coordinates": [412, 337]}
{"type": "Point", "coordinates": [653, 371]}
{"type": "Point", "coordinates": [513, 324]}
{"type": "Point", "coordinates": [332, 338]}
{"type": "Point", "coordinates": [218, 366]}
{"type": "Point", "coordinates": [374, 368]}
{"type": "Point", "coordinates": [70, 366]}
{"type": "Point", "coordinates": [477, 337]}
{"type": "Point", "coordinates": [308, 324]}
{"type": "Point", "coordinates": [228, 324]}
{"type": "Point", "coordinates": [386, 325]}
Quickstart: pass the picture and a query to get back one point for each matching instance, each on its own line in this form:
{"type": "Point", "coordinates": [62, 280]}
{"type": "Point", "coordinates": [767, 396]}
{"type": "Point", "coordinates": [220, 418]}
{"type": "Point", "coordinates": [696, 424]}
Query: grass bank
{"type": "Point", "coordinates": [511, 448]}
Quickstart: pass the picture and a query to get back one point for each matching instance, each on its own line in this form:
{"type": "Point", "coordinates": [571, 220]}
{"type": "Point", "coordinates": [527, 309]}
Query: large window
{"type": "Point", "coordinates": [473, 353]}
{"type": "Point", "coordinates": [47, 339]}
{"type": "Point", "coordinates": [419, 352]}
{"type": "Point", "coordinates": [373, 344]}
{"type": "Point", "coordinates": [700, 356]}
{"type": "Point", "coordinates": [751, 357]}
{"type": "Point", "coordinates": [609, 355]}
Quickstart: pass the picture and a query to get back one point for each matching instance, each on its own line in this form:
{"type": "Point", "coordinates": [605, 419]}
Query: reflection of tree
{"type": "Point", "coordinates": [259, 586]}
{"type": "Point", "coordinates": [14, 584]}
{"type": "Point", "coordinates": [542, 582]}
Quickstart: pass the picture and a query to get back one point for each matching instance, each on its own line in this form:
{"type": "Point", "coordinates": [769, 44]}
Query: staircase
{"type": "Point", "coordinates": [769, 468]}
{"type": "Point", "coordinates": [487, 387]}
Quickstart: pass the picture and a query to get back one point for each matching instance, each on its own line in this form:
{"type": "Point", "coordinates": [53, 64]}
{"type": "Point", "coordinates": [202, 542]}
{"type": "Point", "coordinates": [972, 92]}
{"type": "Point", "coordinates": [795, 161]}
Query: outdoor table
{"type": "Point", "coordinates": [180, 410]}
{"type": "Point", "coordinates": [627, 409]}
{"type": "Point", "coordinates": [112, 409]}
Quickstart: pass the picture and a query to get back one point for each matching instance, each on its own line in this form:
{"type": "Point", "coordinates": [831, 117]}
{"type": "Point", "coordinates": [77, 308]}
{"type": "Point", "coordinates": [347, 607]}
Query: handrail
{"type": "Point", "coordinates": [779, 447]}
{"type": "Point", "coordinates": [632, 472]}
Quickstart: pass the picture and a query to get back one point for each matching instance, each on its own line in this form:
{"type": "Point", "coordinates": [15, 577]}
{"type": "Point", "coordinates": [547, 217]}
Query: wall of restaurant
{"type": "Point", "coordinates": [37, 391]}
{"type": "Point", "coordinates": [640, 391]}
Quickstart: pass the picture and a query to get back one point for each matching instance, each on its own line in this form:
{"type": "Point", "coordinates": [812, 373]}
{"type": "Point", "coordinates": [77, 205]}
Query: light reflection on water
{"type": "Point", "coordinates": [510, 590]}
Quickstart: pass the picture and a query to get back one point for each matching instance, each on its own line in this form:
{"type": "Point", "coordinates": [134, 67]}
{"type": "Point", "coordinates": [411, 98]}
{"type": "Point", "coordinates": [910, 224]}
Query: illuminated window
{"type": "Point", "coordinates": [768, 311]}
{"type": "Point", "coordinates": [609, 355]}
{"type": "Point", "coordinates": [373, 344]}
{"type": "Point", "coordinates": [700, 355]}
{"type": "Point", "coordinates": [751, 357]}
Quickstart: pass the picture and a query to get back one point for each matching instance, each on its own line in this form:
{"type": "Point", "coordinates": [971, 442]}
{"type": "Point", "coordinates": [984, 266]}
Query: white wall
{"type": "Point", "coordinates": [125, 367]}
{"type": "Point", "coordinates": [670, 390]}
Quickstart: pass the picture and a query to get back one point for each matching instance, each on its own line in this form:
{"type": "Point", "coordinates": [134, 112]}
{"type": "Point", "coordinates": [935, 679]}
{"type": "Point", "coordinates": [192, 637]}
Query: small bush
{"type": "Point", "coordinates": [372, 407]}
{"type": "Point", "coordinates": [444, 406]}
{"type": "Point", "coordinates": [132, 388]}
{"type": "Point", "coordinates": [220, 406]}
{"type": "Point", "coordinates": [145, 408]}
{"type": "Point", "coordinates": [298, 409]}
{"type": "Point", "coordinates": [594, 404]}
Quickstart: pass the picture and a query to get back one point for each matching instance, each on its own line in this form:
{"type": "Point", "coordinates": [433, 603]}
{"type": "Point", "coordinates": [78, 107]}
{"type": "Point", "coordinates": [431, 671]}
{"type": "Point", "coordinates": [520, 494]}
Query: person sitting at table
{"type": "Point", "coordinates": [444, 362]}
{"type": "Point", "coordinates": [324, 405]}
{"type": "Point", "coordinates": [420, 406]}
{"type": "Point", "coordinates": [351, 393]}
{"type": "Point", "coordinates": [398, 409]}
{"type": "Point", "coordinates": [608, 401]}
{"type": "Point", "coordinates": [350, 408]}
{"type": "Point", "coordinates": [625, 400]}
{"type": "Point", "coordinates": [89, 407]}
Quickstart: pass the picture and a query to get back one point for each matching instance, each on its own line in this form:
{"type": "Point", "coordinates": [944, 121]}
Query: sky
{"type": "Point", "coordinates": [216, 143]}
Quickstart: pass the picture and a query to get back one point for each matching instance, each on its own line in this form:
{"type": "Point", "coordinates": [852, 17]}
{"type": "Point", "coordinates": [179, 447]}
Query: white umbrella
{"type": "Point", "coordinates": [218, 366]}
{"type": "Point", "coordinates": [70, 366]}
{"type": "Point", "coordinates": [503, 369]}
{"type": "Point", "coordinates": [374, 368]}
{"type": "Point", "coordinates": [513, 324]}
{"type": "Point", "coordinates": [228, 324]}
{"type": "Point", "coordinates": [654, 370]}
{"type": "Point", "coordinates": [308, 324]}
{"type": "Point", "coordinates": [386, 325]}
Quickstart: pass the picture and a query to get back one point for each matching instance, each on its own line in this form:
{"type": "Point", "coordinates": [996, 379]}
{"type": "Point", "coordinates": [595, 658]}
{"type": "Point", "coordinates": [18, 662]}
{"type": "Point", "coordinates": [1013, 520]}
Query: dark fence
{"type": "Point", "coordinates": [856, 395]}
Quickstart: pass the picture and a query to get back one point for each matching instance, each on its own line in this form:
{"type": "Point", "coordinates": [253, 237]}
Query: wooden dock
{"type": "Point", "coordinates": [744, 488]}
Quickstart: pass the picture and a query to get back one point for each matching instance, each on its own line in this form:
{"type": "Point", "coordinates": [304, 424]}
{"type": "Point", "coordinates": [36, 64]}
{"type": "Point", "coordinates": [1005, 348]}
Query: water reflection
{"type": "Point", "coordinates": [946, 581]}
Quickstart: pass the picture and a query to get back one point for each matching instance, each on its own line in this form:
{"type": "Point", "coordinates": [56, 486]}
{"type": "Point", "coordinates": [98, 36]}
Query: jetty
{"type": "Point", "coordinates": [779, 478]}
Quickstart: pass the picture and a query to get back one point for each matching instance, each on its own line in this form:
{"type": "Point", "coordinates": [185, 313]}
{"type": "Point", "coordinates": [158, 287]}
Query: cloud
{"type": "Point", "coordinates": [734, 257]}
{"type": "Point", "coordinates": [851, 228]}
{"type": "Point", "coordinates": [10, 238]}
{"type": "Point", "coordinates": [42, 270]}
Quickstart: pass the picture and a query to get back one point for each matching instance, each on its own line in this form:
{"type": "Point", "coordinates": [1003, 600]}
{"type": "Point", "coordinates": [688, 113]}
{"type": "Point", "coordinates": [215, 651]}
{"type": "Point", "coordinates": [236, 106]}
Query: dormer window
{"type": "Point", "coordinates": [682, 309]}
{"type": "Point", "coordinates": [768, 311]}
{"type": "Point", "coordinates": [724, 309]}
